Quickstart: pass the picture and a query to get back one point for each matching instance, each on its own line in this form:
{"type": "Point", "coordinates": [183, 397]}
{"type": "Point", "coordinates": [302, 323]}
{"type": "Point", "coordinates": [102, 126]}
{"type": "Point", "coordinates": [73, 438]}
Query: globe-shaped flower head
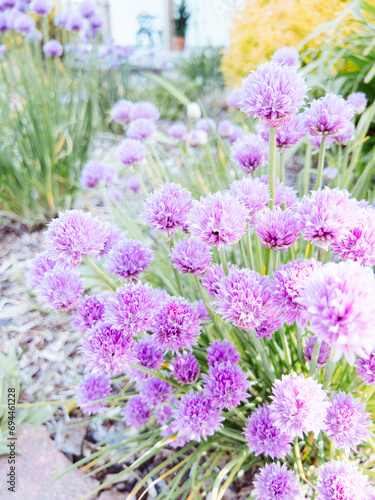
{"type": "Point", "coordinates": [324, 351]}
{"type": "Point", "coordinates": [89, 312]}
{"type": "Point", "coordinates": [106, 350]}
{"type": "Point", "coordinates": [366, 368]}
{"type": "Point", "coordinates": [298, 405]}
{"type": "Point", "coordinates": [357, 101]}
{"type": "Point", "coordinates": [347, 422]}
{"type": "Point", "coordinates": [167, 208]}
{"type": "Point", "coordinates": [242, 298]}
{"type": "Point", "coordinates": [274, 93]}
{"type": "Point", "coordinates": [144, 109]}
{"type": "Point", "coordinates": [234, 98]}
{"type": "Point", "coordinates": [60, 288]}
{"type": "Point", "coordinates": [339, 302]}
{"type": "Point", "coordinates": [196, 417]}
{"type": "Point", "coordinates": [341, 480]}
{"type": "Point", "coordinates": [40, 265]}
{"type": "Point", "coordinates": [53, 48]}
{"type": "Point", "coordinates": [252, 193]}
{"type": "Point", "coordinates": [191, 256]}
{"type": "Point", "coordinates": [147, 355]}
{"type": "Point", "coordinates": [155, 391]}
{"type": "Point", "coordinates": [75, 234]}
{"type": "Point", "coordinates": [128, 258]}
{"type": "Point", "coordinates": [277, 229]}
{"type": "Point", "coordinates": [95, 172]}
{"type": "Point", "coordinates": [41, 7]}
{"type": "Point", "coordinates": [328, 116]}
{"type": "Point", "coordinates": [219, 219]}
{"type": "Point", "coordinates": [276, 482]}
{"type": "Point", "coordinates": [211, 280]}
{"type": "Point", "coordinates": [263, 437]}
{"type": "Point", "coordinates": [141, 129]}
{"type": "Point", "coordinates": [250, 153]}
{"type": "Point", "coordinates": [131, 151]}
{"type": "Point", "coordinates": [176, 325]}
{"type": "Point", "coordinates": [87, 9]}
{"type": "Point", "coordinates": [178, 130]}
{"type": "Point", "coordinates": [136, 412]}
{"type": "Point", "coordinates": [185, 368]}
{"type": "Point", "coordinates": [226, 385]}
{"type": "Point", "coordinates": [289, 282]}
{"type": "Point", "coordinates": [133, 308]}
{"type": "Point", "coordinates": [222, 352]}
{"type": "Point", "coordinates": [120, 112]}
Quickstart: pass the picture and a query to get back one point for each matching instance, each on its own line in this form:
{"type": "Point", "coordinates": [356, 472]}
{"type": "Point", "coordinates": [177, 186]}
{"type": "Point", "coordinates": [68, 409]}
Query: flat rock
{"type": "Point", "coordinates": [69, 436]}
{"type": "Point", "coordinates": [36, 467]}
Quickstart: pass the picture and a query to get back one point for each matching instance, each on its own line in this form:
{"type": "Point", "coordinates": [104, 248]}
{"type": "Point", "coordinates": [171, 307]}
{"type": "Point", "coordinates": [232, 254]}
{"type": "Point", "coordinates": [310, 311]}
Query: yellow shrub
{"type": "Point", "coordinates": [262, 26]}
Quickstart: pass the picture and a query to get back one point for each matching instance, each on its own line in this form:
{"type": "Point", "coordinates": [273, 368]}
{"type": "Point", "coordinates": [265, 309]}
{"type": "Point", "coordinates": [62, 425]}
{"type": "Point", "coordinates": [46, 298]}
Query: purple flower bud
{"type": "Point", "coordinates": [191, 256]}
{"type": "Point", "coordinates": [144, 110]}
{"type": "Point", "coordinates": [141, 129]}
{"type": "Point", "coordinates": [178, 130]}
{"type": "Point", "coordinates": [276, 482]}
{"type": "Point", "coordinates": [128, 258]}
{"type": "Point", "coordinates": [136, 412]}
{"type": "Point", "coordinates": [41, 7]}
{"type": "Point", "coordinates": [277, 229]}
{"type": "Point", "coordinates": [120, 112]}
{"type": "Point", "coordinates": [95, 172]}
{"type": "Point", "coordinates": [357, 101]}
{"type": "Point", "coordinates": [131, 151]}
{"type": "Point", "coordinates": [286, 55]}
{"type": "Point", "coordinates": [234, 98]}
{"type": "Point", "coordinates": [324, 351]}
{"type": "Point", "coordinates": [60, 288]}
{"type": "Point", "coordinates": [222, 352]}
{"type": "Point", "coordinates": [89, 312]}
{"type": "Point", "coordinates": [185, 368]}
{"type": "Point", "coordinates": [250, 153]}
{"type": "Point", "coordinates": [330, 115]}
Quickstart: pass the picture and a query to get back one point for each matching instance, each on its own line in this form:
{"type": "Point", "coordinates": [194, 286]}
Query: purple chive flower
{"type": "Point", "coordinates": [167, 208]}
{"type": "Point", "coordinates": [234, 98]}
{"type": "Point", "coordinates": [298, 405]}
{"type": "Point", "coordinates": [219, 219]}
{"type": "Point", "coordinates": [178, 130]}
{"type": "Point", "coordinates": [324, 351]}
{"type": "Point", "coordinates": [222, 352]}
{"type": "Point", "coordinates": [144, 110]}
{"type": "Point", "coordinates": [211, 280]}
{"type": "Point", "coordinates": [272, 322]}
{"type": "Point", "coordinates": [330, 115]}
{"type": "Point", "coordinates": [277, 229]}
{"type": "Point", "coordinates": [75, 22]}
{"type": "Point", "coordinates": [176, 325]}
{"type": "Point", "coordinates": [133, 183]}
{"type": "Point", "coordinates": [185, 368]}
{"type": "Point", "coordinates": [61, 18]}
{"type": "Point", "coordinates": [53, 48]}
{"type": "Point", "coordinates": [287, 136]}
{"type": "Point", "coordinates": [24, 24]}
{"type": "Point", "coordinates": [136, 412]}
{"type": "Point", "coordinates": [155, 391]}
{"type": "Point", "coordinates": [225, 128]}
{"type": "Point", "coordinates": [237, 133]}
{"type": "Point", "coordinates": [357, 101]}
{"type": "Point", "coordinates": [60, 288]}
{"type": "Point", "coordinates": [106, 350]}
{"type": "Point", "coordinates": [41, 7]}
{"type": "Point", "coordinates": [197, 138]}
{"type": "Point", "coordinates": [128, 258]}
{"type": "Point", "coordinates": [114, 235]}
{"type": "Point", "coordinates": [286, 55]}
{"type": "Point", "coordinates": [276, 482]}
{"type": "Point", "coordinates": [263, 437]}
{"type": "Point", "coordinates": [283, 194]}
{"type": "Point", "coordinates": [347, 422]}
{"type": "Point", "coordinates": [274, 93]}
{"type": "Point", "coordinates": [3, 27]}
{"type": "Point", "coordinates": [95, 172]}
{"type": "Point", "coordinates": [41, 265]}
{"type": "Point", "coordinates": [325, 216]}
{"type": "Point", "coordinates": [133, 308]}
{"type": "Point", "coordinates": [74, 234]}
{"type": "Point", "coordinates": [131, 151]}
{"type": "Point", "coordinates": [250, 153]}
{"type": "Point", "coordinates": [201, 311]}
{"type": "Point", "coordinates": [366, 368]}
{"type": "Point", "coordinates": [147, 355]}
{"type": "Point", "coordinates": [252, 193]}
{"type": "Point", "coordinates": [341, 480]}
{"type": "Point", "coordinates": [89, 312]}
{"type": "Point", "coordinates": [339, 302]}
{"type": "Point", "coordinates": [226, 385]}
{"type": "Point", "coordinates": [205, 125]}
{"type": "Point", "coordinates": [288, 283]}
{"type": "Point", "coordinates": [163, 414]}
{"type": "Point", "coordinates": [345, 137]}
{"type": "Point", "coordinates": [141, 129]}
{"type": "Point", "coordinates": [92, 388]}
{"type": "Point", "coordinates": [358, 244]}
{"type": "Point", "coordinates": [196, 417]}
{"type": "Point", "coordinates": [96, 22]}
{"type": "Point", "coordinates": [120, 112]}
{"type": "Point", "coordinates": [242, 298]}
{"type": "Point", "coordinates": [87, 9]}
{"type": "Point", "coordinates": [191, 256]}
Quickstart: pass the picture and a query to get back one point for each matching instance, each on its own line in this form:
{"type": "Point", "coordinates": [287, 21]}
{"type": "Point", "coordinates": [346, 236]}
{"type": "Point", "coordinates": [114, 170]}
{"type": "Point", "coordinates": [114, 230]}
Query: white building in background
{"type": "Point", "coordinates": [209, 23]}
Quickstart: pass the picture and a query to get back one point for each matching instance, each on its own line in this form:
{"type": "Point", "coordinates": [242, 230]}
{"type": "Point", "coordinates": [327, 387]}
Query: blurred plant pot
{"type": "Point", "coordinates": [178, 43]}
